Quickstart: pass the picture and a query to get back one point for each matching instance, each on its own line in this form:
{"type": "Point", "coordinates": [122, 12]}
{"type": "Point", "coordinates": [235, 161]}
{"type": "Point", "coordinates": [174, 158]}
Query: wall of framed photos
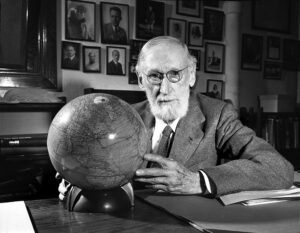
{"type": "Point", "coordinates": [269, 50]}
{"type": "Point", "coordinates": [176, 18]}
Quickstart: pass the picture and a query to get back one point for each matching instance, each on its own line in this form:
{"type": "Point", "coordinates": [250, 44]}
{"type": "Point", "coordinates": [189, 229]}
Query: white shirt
{"type": "Point", "coordinates": [157, 134]}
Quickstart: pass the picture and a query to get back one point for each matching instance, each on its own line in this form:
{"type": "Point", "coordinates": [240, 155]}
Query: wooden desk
{"type": "Point", "coordinates": [49, 215]}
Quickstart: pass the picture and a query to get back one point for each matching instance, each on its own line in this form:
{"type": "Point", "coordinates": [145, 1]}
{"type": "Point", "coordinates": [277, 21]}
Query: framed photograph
{"type": "Point", "coordinates": [273, 47]}
{"type": "Point", "coordinates": [189, 8]}
{"type": "Point", "coordinates": [115, 60]}
{"type": "Point", "coordinates": [214, 88]}
{"type": "Point", "coordinates": [272, 70]}
{"type": "Point", "coordinates": [291, 53]}
{"type": "Point", "coordinates": [197, 54]}
{"type": "Point", "coordinates": [91, 61]}
{"type": "Point", "coordinates": [135, 48]}
{"type": "Point", "coordinates": [213, 24]}
{"type": "Point", "coordinates": [80, 20]}
{"type": "Point", "coordinates": [272, 15]}
{"type": "Point", "coordinates": [177, 28]}
{"type": "Point", "coordinates": [252, 47]}
{"type": "Point", "coordinates": [70, 55]}
{"type": "Point", "coordinates": [149, 19]}
{"type": "Point", "coordinates": [214, 58]}
{"type": "Point", "coordinates": [132, 79]}
{"type": "Point", "coordinates": [195, 33]}
{"type": "Point", "coordinates": [114, 23]}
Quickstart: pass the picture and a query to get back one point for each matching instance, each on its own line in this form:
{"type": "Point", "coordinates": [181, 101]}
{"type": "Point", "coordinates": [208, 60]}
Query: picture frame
{"type": "Point", "coordinates": [135, 48]}
{"type": "Point", "coordinates": [214, 58]}
{"type": "Point", "coordinates": [91, 59]}
{"type": "Point", "coordinates": [177, 29]}
{"type": "Point", "coordinates": [211, 3]}
{"type": "Point", "coordinates": [132, 78]}
{"type": "Point", "coordinates": [150, 18]}
{"type": "Point", "coordinates": [252, 47]}
{"type": "Point", "coordinates": [213, 25]}
{"type": "Point", "coordinates": [273, 47]}
{"type": "Point", "coordinates": [214, 88]}
{"type": "Point", "coordinates": [195, 34]}
{"type": "Point", "coordinates": [272, 70]}
{"type": "Point", "coordinates": [291, 53]}
{"type": "Point", "coordinates": [80, 20]}
{"type": "Point", "coordinates": [115, 60]}
{"type": "Point", "coordinates": [197, 54]}
{"type": "Point", "coordinates": [189, 8]}
{"type": "Point", "coordinates": [278, 18]}
{"type": "Point", "coordinates": [114, 23]}
{"type": "Point", "coordinates": [70, 55]}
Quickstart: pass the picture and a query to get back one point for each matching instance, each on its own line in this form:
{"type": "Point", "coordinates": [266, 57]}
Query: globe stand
{"type": "Point", "coordinates": [120, 199]}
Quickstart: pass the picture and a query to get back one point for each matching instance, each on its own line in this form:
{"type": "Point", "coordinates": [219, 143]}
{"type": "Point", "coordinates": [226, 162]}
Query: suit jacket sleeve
{"type": "Point", "coordinates": [254, 164]}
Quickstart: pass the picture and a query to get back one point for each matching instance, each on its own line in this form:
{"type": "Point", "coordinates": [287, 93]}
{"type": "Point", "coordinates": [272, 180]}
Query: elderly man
{"type": "Point", "coordinates": [200, 131]}
{"type": "Point", "coordinates": [203, 132]}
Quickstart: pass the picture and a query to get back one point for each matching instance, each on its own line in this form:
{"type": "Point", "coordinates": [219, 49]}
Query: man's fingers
{"type": "Point", "coordinates": [150, 172]}
{"type": "Point", "coordinates": [153, 180]}
{"type": "Point", "coordinates": [158, 159]}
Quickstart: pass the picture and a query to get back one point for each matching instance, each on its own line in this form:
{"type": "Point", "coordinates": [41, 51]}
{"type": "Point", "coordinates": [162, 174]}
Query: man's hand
{"type": "Point", "coordinates": [63, 188]}
{"type": "Point", "coordinates": [172, 177]}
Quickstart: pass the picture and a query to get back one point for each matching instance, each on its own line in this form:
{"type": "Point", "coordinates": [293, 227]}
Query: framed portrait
{"type": "Point", "coordinates": [70, 55]}
{"type": "Point", "coordinates": [91, 59]}
{"type": "Point", "coordinates": [252, 46]}
{"type": "Point", "coordinates": [177, 28]}
{"type": "Point", "coordinates": [214, 58]}
{"type": "Point", "coordinates": [197, 54]}
{"type": "Point", "coordinates": [189, 8]}
{"type": "Point", "coordinates": [132, 79]}
{"type": "Point", "coordinates": [114, 23]}
{"type": "Point", "coordinates": [213, 24]}
{"type": "Point", "coordinates": [277, 19]}
{"type": "Point", "coordinates": [214, 88]}
{"type": "Point", "coordinates": [273, 47]}
{"type": "Point", "coordinates": [272, 70]}
{"type": "Point", "coordinates": [115, 60]}
{"type": "Point", "coordinates": [195, 34]}
{"type": "Point", "coordinates": [291, 53]}
{"type": "Point", "coordinates": [149, 19]}
{"type": "Point", "coordinates": [135, 48]}
{"type": "Point", "coordinates": [80, 20]}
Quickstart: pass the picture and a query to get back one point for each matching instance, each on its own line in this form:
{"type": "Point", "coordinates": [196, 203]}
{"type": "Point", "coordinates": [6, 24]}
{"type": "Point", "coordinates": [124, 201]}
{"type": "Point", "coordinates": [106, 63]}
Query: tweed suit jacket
{"type": "Point", "coordinates": [212, 132]}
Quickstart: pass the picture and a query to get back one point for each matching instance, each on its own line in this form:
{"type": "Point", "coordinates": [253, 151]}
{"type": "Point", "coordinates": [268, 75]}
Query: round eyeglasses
{"type": "Point", "coordinates": [173, 76]}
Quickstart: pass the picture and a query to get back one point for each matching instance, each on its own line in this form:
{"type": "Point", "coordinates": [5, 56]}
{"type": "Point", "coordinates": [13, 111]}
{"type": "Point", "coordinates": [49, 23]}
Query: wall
{"type": "Point", "coordinates": [252, 83]}
{"type": "Point", "coordinates": [73, 82]}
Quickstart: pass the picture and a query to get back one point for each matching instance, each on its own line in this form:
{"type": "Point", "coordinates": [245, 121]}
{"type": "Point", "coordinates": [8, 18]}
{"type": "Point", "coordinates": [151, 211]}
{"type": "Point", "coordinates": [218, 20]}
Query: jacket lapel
{"type": "Point", "coordinates": [188, 133]}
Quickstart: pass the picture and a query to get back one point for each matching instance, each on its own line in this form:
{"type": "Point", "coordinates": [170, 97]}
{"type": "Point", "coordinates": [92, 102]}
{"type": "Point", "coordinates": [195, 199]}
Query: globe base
{"type": "Point", "coordinates": [120, 199]}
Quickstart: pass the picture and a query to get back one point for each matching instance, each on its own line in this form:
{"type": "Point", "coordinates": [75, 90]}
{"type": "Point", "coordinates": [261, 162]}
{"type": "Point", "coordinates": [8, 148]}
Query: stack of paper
{"type": "Point", "coordinates": [250, 198]}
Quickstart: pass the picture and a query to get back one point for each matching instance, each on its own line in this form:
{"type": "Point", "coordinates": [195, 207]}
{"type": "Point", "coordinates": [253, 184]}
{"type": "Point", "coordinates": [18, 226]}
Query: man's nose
{"type": "Point", "coordinates": [165, 85]}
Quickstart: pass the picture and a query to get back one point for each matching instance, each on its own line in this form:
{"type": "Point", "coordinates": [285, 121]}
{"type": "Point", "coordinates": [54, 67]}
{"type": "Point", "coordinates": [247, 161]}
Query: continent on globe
{"type": "Point", "coordinates": [97, 142]}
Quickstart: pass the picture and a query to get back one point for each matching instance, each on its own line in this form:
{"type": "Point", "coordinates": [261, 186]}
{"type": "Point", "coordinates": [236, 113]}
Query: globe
{"type": "Point", "coordinates": [97, 142]}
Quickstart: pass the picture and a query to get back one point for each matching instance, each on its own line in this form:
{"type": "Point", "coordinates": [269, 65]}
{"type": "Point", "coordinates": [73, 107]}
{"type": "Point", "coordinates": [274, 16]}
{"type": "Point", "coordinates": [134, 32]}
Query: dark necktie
{"type": "Point", "coordinates": [164, 145]}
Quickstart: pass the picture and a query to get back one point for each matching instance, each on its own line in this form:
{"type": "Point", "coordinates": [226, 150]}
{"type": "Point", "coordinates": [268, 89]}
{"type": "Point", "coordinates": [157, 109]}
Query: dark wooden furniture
{"type": "Point", "coordinates": [49, 215]}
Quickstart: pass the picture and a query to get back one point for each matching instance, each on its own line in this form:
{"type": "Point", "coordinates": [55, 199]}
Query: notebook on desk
{"type": "Point", "coordinates": [212, 216]}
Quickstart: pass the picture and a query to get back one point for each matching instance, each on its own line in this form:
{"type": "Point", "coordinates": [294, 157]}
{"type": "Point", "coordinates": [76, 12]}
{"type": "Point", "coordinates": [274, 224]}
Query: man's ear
{"type": "Point", "coordinates": [140, 81]}
{"type": "Point", "coordinates": [192, 77]}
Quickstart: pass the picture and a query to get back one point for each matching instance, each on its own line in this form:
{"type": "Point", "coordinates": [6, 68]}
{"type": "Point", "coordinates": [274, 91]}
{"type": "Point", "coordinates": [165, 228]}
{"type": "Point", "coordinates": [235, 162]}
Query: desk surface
{"type": "Point", "coordinates": [49, 215]}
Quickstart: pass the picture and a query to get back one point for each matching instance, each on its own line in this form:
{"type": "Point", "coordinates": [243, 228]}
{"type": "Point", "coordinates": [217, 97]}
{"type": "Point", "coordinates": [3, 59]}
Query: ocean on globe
{"type": "Point", "coordinates": [97, 141]}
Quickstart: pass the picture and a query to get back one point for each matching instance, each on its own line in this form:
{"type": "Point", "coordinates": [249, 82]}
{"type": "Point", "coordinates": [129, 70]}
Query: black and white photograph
{"type": "Point", "coordinates": [115, 60]}
{"type": "Point", "coordinates": [189, 8]}
{"type": "Point", "coordinates": [80, 20]}
{"type": "Point", "coordinates": [195, 34]}
{"type": "Point", "coordinates": [150, 18]}
{"type": "Point", "coordinates": [197, 54]}
{"type": "Point", "coordinates": [70, 55]}
{"type": "Point", "coordinates": [252, 47]}
{"type": "Point", "coordinates": [177, 29]}
{"type": "Point", "coordinates": [273, 47]}
{"type": "Point", "coordinates": [291, 53]}
{"type": "Point", "coordinates": [272, 70]}
{"type": "Point", "coordinates": [114, 23]}
{"type": "Point", "coordinates": [132, 79]}
{"type": "Point", "coordinates": [135, 48]}
{"type": "Point", "coordinates": [91, 59]}
{"type": "Point", "coordinates": [214, 58]}
{"type": "Point", "coordinates": [214, 88]}
{"type": "Point", "coordinates": [213, 25]}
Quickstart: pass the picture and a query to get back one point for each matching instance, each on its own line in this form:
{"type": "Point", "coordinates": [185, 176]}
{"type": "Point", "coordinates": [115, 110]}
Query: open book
{"type": "Point", "coordinates": [250, 198]}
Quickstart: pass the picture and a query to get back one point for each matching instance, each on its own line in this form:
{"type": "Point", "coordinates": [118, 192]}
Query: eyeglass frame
{"type": "Point", "coordinates": [162, 75]}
